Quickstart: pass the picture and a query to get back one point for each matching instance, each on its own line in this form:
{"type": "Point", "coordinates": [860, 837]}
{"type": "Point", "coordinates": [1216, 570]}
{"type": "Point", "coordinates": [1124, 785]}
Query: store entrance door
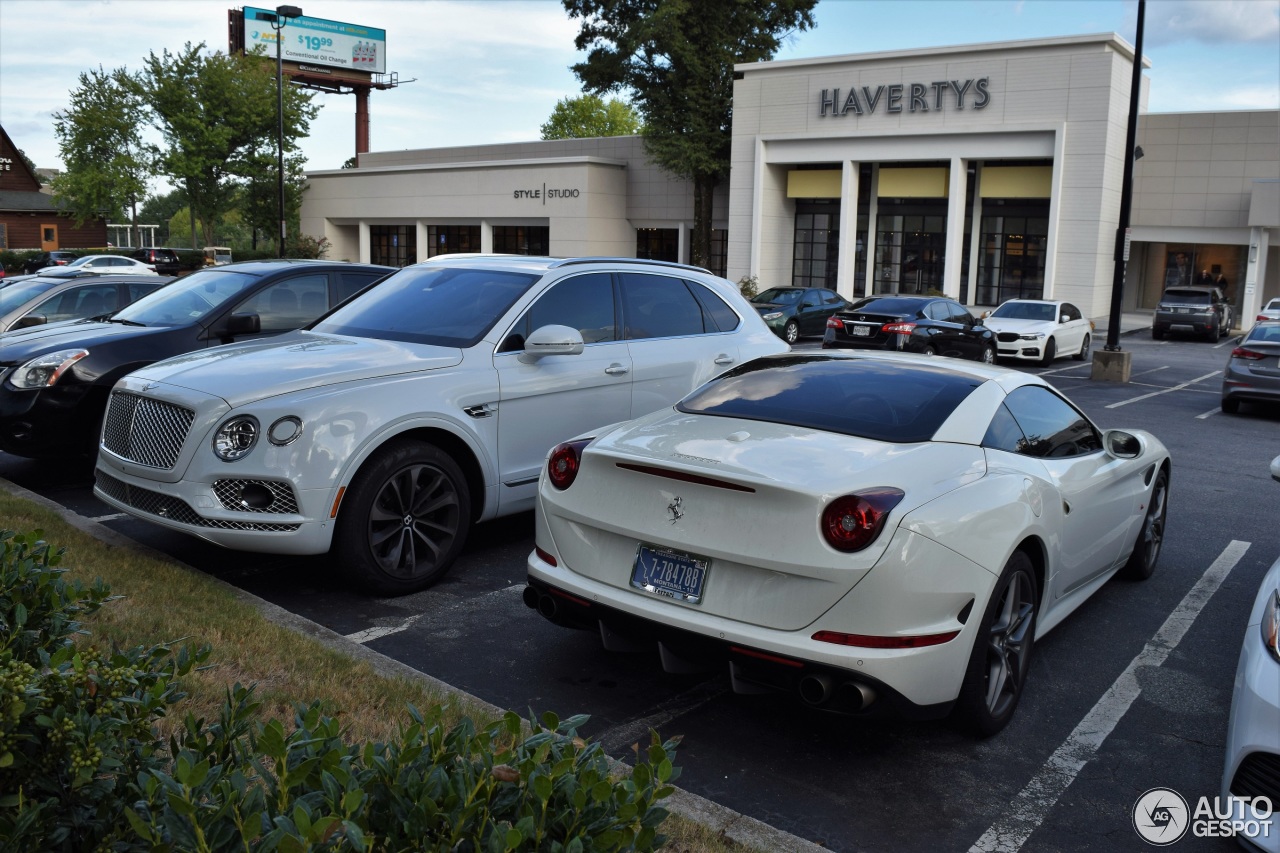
{"type": "Point", "coordinates": [910, 246]}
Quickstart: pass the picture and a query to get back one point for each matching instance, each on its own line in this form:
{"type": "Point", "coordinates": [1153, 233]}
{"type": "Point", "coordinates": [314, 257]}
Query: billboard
{"type": "Point", "coordinates": [318, 42]}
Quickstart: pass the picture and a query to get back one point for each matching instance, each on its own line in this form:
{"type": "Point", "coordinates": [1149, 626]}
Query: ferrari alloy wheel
{"type": "Point", "coordinates": [404, 520]}
{"type": "Point", "coordinates": [997, 670]}
{"type": "Point", "coordinates": [1142, 562]}
{"type": "Point", "coordinates": [791, 332]}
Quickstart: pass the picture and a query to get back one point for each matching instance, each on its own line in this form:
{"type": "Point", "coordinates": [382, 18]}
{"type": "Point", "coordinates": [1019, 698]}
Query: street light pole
{"type": "Point", "coordinates": [278, 22]}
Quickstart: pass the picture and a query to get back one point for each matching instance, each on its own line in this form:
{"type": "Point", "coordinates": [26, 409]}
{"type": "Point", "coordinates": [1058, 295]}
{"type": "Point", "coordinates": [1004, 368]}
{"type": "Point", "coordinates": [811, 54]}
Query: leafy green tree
{"type": "Point", "coordinates": [676, 58]}
{"type": "Point", "coordinates": [159, 209]}
{"type": "Point", "coordinates": [217, 114]}
{"type": "Point", "coordinates": [589, 116]}
{"type": "Point", "coordinates": [107, 165]}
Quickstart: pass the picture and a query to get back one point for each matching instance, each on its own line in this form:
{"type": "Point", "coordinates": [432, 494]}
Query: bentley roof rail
{"type": "Point", "coordinates": [607, 260]}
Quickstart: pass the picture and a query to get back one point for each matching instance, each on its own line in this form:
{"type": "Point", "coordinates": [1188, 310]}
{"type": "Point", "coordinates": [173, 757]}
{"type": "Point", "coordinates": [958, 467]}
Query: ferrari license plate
{"type": "Point", "coordinates": [669, 573]}
{"type": "Point", "coordinates": [862, 331]}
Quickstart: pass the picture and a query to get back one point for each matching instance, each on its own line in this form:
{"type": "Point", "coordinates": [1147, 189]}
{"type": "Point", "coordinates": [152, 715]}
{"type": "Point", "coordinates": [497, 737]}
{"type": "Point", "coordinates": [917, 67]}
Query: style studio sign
{"type": "Point", "coordinates": [913, 97]}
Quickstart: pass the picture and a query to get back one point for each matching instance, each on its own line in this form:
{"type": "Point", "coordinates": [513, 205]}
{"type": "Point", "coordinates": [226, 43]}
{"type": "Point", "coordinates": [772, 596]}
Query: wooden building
{"type": "Point", "coordinates": [29, 219]}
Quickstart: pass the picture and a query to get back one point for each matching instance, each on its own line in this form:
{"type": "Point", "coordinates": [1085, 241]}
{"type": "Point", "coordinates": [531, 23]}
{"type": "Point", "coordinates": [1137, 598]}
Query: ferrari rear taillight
{"type": "Point", "coordinates": [1247, 354]}
{"type": "Point", "coordinates": [868, 641]}
{"type": "Point", "coordinates": [564, 461]}
{"type": "Point", "coordinates": [898, 328]}
{"type": "Point", "coordinates": [835, 323]}
{"type": "Point", "coordinates": [852, 522]}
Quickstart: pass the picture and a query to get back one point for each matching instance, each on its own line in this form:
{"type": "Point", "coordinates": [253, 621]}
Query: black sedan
{"type": "Point", "coordinates": [795, 311]}
{"type": "Point", "coordinates": [930, 325]}
{"type": "Point", "coordinates": [54, 379]}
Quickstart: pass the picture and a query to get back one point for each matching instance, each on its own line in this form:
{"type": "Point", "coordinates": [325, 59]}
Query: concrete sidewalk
{"type": "Point", "coordinates": [1130, 323]}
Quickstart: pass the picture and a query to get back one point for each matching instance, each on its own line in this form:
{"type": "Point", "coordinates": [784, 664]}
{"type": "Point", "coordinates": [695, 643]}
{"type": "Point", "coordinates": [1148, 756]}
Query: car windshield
{"type": "Point", "coordinates": [778, 296]}
{"type": "Point", "coordinates": [880, 400]}
{"type": "Point", "coordinates": [1193, 297]}
{"type": "Point", "coordinates": [21, 291]}
{"type": "Point", "coordinates": [1026, 311]}
{"type": "Point", "coordinates": [436, 305]}
{"type": "Point", "coordinates": [187, 300]}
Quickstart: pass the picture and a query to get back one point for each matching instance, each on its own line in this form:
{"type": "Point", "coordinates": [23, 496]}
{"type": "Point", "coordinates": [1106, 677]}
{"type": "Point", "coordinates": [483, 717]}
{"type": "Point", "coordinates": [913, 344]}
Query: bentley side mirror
{"type": "Point", "coordinates": [551, 340]}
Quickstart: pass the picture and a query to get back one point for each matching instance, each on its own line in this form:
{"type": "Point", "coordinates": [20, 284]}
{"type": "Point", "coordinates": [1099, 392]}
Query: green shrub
{"type": "Point", "coordinates": [82, 769]}
{"type": "Point", "coordinates": [749, 285]}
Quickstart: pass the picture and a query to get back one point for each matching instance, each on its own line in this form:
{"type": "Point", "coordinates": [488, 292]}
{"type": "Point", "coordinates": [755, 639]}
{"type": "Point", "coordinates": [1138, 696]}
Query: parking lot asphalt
{"type": "Point", "coordinates": [1130, 693]}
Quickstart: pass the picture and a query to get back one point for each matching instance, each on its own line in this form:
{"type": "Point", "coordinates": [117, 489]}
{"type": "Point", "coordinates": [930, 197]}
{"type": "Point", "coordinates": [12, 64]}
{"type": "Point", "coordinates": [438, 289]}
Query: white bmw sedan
{"type": "Point", "coordinates": [873, 531]}
{"type": "Point", "coordinates": [1040, 330]}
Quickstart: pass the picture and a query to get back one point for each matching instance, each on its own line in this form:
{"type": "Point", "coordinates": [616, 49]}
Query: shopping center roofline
{"type": "Point", "coordinates": [1113, 39]}
{"type": "Point", "coordinates": [477, 164]}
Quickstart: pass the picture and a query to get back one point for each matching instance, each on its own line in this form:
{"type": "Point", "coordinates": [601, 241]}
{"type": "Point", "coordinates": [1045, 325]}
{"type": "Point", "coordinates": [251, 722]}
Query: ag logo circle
{"type": "Point", "coordinates": [1161, 817]}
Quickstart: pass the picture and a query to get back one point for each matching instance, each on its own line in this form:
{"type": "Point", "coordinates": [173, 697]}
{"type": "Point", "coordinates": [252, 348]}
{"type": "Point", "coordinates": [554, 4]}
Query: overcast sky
{"type": "Point", "coordinates": [486, 71]}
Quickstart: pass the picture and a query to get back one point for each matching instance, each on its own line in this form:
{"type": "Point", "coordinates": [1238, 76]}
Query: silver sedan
{"type": "Point", "coordinates": [1253, 372]}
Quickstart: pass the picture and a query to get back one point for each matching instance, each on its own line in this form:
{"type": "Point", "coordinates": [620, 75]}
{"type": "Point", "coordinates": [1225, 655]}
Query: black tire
{"type": "Point", "coordinates": [988, 355]}
{"type": "Point", "coordinates": [791, 332]}
{"type": "Point", "coordinates": [1084, 349]}
{"type": "Point", "coordinates": [929, 350]}
{"type": "Point", "coordinates": [1157, 333]}
{"type": "Point", "coordinates": [404, 520]}
{"type": "Point", "coordinates": [1146, 551]}
{"type": "Point", "coordinates": [1231, 407]}
{"type": "Point", "coordinates": [997, 670]}
{"type": "Point", "coordinates": [1050, 353]}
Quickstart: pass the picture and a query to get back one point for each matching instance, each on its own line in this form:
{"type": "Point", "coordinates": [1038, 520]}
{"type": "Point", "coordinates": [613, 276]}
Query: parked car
{"type": "Point", "coordinates": [929, 325]}
{"type": "Point", "coordinates": [55, 379]}
{"type": "Point", "coordinates": [52, 299]}
{"type": "Point", "coordinates": [57, 258]}
{"type": "Point", "coordinates": [1253, 727]}
{"type": "Point", "coordinates": [1199, 309]}
{"type": "Point", "coordinates": [876, 532]}
{"type": "Point", "coordinates": [1040, 330]}
{"type": "Point", "coordinates": [1253, 369]}
{"type": "Point", "coordinates": [795, 311]}
{"type": "Point", "coordinates": [1270, 311]}
{"type": "Point", "coordinates": [165, 261]}
{"type": "Point", "coordinates": [385, 430]}
{"type": "Point", "coordinates": [216, 256]}
{"type": "Point", "coordinates": [114, 264]}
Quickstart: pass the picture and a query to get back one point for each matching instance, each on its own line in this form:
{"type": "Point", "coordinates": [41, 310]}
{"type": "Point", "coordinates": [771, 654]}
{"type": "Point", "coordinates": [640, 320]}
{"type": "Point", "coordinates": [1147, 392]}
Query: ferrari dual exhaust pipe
{"type": "Point", "coordinates": [818, 690]}
{"type": "Point", "coordinates": [543, 602]}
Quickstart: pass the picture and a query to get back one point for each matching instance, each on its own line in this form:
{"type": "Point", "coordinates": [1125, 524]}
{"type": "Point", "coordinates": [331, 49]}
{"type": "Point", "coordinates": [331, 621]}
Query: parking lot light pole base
{"type": "Point", "coordinates": [1111, 365]}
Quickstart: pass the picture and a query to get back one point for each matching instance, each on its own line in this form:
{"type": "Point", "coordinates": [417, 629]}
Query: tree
{"type": "Point", "coordinates": [159, 209]}
{"type": "Point", "coordinates": [107, 166]}
{"type": "Point", "coordinates": [676, 57]}
{"type": "Point", "coordinates": [217, 115]}
{"type": "Point", "coordinates": [40, 176]}
{"type": "Point", "coordinates": [588, 116]}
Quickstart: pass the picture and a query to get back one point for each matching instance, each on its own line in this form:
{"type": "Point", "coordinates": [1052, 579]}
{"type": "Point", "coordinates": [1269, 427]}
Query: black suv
{"type": "Point", "coordinates": [48, 259]}
{"type": "Point", "coordinates": [1199, 309]}
{"type": "Point", "coordinates": [54, 379]}
{"type": "Point", "coordinates": [164, 260]}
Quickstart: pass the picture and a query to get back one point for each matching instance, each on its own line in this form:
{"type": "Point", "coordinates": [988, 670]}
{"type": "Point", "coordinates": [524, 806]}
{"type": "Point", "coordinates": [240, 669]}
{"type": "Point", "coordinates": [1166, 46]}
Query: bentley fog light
{"type": "Point", "coordinates": [235, 438]}
{"type": "Point", "coordinates": [285, 431]}
{"type": "Point", "coordinates": [46, 370]}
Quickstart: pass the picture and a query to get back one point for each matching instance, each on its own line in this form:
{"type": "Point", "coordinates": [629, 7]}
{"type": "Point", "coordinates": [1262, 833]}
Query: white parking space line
{"type": "Point", "coordinates": [1152, 370]}
{"type": "Point", "coordinates": [369, 634]}
{"type": "Point", "coordinates": [618, 740]}
{"type": "Point", "coordinates": [1209, 413]}
{"type": "Point", "coordinates": [101, 518]}
{"type": "Point", "coordinates": [1165, 391]}
{"type": "Point", "coordinates": [1065, 369]}
{"type": "Point", "coordinates": [1029, 809]}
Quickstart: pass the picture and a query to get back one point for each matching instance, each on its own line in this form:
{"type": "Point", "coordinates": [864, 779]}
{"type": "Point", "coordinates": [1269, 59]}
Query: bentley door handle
{"type": "Point", "coordinates": [724, 359]}
{"type": "Point", "coordinates": [616, 369]}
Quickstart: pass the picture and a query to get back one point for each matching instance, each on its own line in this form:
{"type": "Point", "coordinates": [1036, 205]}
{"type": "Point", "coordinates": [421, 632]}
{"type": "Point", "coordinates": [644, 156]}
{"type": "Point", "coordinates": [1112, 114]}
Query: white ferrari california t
{"type": "Point", "coordinates": [873, 531]}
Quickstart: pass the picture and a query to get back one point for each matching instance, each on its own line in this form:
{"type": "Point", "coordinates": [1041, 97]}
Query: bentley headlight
{"type": "Point", "coordinates": [772, 315]}
{"type": "Point", "coordinates": [1271, 624]}
{"type": "Point", "coordinates": [1032, 336]}
{"type": "Point", "coordinates": [47, 369]}
{"type": "Point", "coordinates": [235, 438]}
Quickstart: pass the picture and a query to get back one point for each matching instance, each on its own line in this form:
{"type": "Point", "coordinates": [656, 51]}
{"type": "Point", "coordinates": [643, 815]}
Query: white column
{"type": "Point", "coordinates": [424, 240]}
{"type": "Point", "coordinates": [955, 228]}
{"type": "Point", "coordinates": [757, 207]}
{"type": "Point", "coordinates": [1055, 217]}
{"type": "Point", "coordinates": [975, 234]}
{"type": "Point", "coordinates": [1253, 276]}
{"type": "Point", "coordinates": [872, 208]}
{"type": "Point", "coordinates": [486, 237]}
{"type": "Point", "coordinates": [366, 243]}
{"type": "Point", "coordinates": [848, 241]}
{"type": "Point", "coordinates": [683, 249]}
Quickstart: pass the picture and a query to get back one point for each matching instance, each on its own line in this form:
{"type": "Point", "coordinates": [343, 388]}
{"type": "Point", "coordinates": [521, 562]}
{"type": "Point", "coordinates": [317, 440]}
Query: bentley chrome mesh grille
{"type": "Point", "coordinates": [176, 509]}
{"type": "Point", "coordinates": [231, 494]}
{"type": "Point", "coordinates": [146, 431]}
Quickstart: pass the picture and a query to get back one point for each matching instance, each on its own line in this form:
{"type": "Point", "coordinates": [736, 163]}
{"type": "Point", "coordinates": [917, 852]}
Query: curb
{"type": "Point", "coordinates": [725, 822]}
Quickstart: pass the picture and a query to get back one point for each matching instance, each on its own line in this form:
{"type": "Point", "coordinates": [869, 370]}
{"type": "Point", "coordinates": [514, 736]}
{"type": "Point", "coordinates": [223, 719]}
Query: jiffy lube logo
{"type": "Point", "coordinates": [1161, 816]}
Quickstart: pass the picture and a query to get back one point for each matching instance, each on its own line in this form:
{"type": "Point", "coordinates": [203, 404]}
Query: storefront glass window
{"type": "Point", "coordinates": [910, 246]}
{"type": "Point", "coordinates": [1012, 260]}
{"type": "Point", "coordinates": [658, 244]}
{"type": "Point", "coordinates": [393, 245]}
{"type": "Point", "coordinates": [450, 239]}
{"type": "Point", "coordinates": [522, 239]}
{"type": "Point", "coordinates": [817, 243]}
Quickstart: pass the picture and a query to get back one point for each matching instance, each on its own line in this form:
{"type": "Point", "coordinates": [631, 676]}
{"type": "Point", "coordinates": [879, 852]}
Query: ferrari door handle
{"type": "Point", "coordinates": [1066, 508]}
{"type": "Point", "coordinates": [725, 359]}
{"type": "Point", "coordinates": [617, 369]}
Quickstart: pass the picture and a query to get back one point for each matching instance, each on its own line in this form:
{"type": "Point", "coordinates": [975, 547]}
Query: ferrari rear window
{"type": "Point", "coordinates": [868, 398]}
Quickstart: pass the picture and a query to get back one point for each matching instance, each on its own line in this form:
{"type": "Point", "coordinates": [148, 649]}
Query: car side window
{"type": "Point", "coordinates": [960, 314]}
{"type": "Point", "coordinates": [583, 302]}
{"type": "Point", "coordinates": [1052, 427]}
{"type": "Point", "coordinates": [812, 299]}
{"type": "Point", "coordinates": [1072, 312]}
{"type": "Point", "coordinates": [937, 311]}
{"type": "Point", "coordinates": [658, 306]}
{"type": "Point", "coordinates": [716, 314]}
{"type": "Point", "coordinates": [830, 297]}
{"type": "Point", "coordinates": [1004, 433]}
{"type": "Point", "coordinates": [289, 304]}
{"type": "Point", "coordinates": [137, 291]}
{"type": "Point", "coordinates": [351, 283]}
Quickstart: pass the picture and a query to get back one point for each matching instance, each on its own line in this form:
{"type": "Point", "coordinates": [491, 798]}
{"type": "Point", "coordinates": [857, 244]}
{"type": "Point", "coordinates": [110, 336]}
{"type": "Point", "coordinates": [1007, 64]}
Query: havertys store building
{"type": "Point", "coordinates": [986, 172]}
